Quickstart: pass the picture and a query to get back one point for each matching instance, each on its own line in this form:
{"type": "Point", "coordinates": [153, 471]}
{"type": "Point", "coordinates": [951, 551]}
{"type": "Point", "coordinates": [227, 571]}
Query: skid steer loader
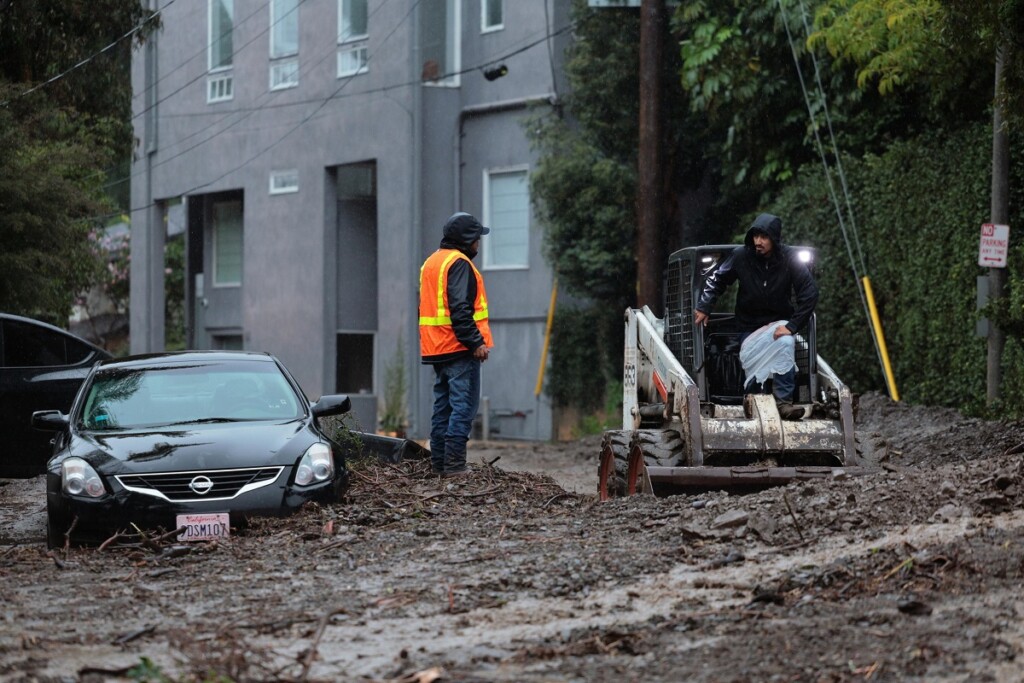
{"type": "Point", "coordinates": [687, 424]}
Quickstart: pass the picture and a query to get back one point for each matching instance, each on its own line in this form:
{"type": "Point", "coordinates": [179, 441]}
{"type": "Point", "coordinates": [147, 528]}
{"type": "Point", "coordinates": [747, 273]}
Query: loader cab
{"type": "Point", "coordinates": [711, 354]}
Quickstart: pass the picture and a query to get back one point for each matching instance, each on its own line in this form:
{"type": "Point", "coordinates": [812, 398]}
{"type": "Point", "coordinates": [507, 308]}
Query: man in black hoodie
{"type": "Point", "coordinates": [455, 338]}
{"type": "Point", "coordinates": [771, 277]}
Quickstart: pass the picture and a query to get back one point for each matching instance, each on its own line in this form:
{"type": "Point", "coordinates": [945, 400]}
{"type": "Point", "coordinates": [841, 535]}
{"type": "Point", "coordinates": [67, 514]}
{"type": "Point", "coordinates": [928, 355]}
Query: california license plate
{"type": "Point", "coordinates": [204, 527]}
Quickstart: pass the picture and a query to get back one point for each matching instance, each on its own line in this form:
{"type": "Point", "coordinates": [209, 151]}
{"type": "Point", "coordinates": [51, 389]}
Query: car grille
{"type": "Point", "coordinates": [186, 486]}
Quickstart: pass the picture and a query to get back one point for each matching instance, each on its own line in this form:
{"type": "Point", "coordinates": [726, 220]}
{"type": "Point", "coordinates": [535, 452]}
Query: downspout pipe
{"type": "Point", "coordinates": [481, 110]}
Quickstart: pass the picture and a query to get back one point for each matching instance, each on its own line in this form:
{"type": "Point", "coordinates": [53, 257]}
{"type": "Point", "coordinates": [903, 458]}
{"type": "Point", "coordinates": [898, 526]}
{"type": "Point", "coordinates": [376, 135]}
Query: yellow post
{"type": "Point", "coordinates": [880, 335]}
{"type": "Point", "coordinates": [547, 340]}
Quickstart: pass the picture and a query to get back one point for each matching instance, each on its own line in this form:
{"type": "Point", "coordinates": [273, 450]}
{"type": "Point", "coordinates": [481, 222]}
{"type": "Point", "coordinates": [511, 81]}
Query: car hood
{"type": "Point", "coordinates": [195, 447]}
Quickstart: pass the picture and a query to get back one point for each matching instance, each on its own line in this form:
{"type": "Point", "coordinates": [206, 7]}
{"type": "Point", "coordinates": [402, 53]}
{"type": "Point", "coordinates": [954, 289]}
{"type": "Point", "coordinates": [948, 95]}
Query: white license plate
{"type": "Point", "coordinates": [205, 527]}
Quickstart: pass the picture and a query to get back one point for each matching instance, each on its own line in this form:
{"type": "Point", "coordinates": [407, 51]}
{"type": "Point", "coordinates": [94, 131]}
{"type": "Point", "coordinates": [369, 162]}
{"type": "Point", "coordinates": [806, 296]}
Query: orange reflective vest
{"type": "Point", "coordinates": [437, 338]}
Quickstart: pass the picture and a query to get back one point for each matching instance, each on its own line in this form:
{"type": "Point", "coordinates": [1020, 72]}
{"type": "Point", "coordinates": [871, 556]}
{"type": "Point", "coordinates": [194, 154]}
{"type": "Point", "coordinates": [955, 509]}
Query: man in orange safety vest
{"type": "Point", "coordinates": [455, 338]}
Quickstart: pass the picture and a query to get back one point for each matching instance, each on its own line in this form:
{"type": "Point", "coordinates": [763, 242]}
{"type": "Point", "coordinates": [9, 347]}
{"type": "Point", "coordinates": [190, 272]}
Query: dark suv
{"type": "Point", "coordinates": [41, 367]}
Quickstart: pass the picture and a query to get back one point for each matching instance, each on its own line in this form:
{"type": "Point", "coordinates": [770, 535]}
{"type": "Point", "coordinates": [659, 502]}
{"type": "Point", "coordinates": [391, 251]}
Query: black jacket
{"type": "Point", "coordinates": [767, 286]}
{"type": "Point", "coordinates": [461, 296]}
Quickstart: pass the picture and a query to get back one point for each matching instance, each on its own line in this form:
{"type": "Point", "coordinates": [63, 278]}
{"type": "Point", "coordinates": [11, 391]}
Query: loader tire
{"type": "Point", "coordinates": [660, 447]}
{"type": "Point", "coordinates": [611, 473]}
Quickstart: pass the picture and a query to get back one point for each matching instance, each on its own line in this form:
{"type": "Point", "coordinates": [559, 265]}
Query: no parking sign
{"type": "Point", "coordinates": [995, 241]}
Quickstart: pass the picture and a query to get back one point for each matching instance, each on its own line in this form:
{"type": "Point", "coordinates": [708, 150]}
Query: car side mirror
{"type": "Point", "coordinates": [49, 420]}
{"type": "Point", "coordinates": [332, 404]}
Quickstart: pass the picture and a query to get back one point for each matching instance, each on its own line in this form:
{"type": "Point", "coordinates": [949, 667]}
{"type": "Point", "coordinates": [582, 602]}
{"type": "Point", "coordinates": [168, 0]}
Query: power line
{"type": "Point", "coordinates": [91, 57]}
{"type": "Point", "coordinates": [336, 95]}
{"type": "Point", "coordinates": [225, 115]}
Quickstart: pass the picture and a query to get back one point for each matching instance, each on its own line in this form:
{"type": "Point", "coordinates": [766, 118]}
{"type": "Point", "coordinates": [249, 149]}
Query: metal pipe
{"type": "Point", "coordinates": [880, 336]}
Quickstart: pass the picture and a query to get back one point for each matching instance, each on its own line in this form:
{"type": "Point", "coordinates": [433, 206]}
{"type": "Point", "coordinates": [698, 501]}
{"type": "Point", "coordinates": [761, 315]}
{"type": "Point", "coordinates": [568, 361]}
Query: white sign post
{"type": "Point", "coordinates": [995, 242]}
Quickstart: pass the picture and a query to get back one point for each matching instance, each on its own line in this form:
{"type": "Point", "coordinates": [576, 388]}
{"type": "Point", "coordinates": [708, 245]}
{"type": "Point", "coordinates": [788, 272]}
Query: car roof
{"type": "Point", "coordinates": [150, 360]}
{"type": "Point", "coordinates": [53, 328]}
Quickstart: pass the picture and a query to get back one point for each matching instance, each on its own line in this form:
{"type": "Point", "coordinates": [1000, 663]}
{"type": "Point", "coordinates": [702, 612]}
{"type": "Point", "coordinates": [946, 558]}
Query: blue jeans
{"type": "Point", "coordinates": [783, 384]}
{"type": "Point", "coordinates": [456, 399]}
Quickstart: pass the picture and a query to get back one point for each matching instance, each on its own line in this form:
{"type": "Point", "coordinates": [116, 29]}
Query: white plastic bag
{"type": "Point", "coordinates": [762, 356]}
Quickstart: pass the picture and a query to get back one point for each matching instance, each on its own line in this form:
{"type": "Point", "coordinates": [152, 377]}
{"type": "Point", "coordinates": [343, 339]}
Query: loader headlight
{"type": "Point", "coordinates": [804, 255]}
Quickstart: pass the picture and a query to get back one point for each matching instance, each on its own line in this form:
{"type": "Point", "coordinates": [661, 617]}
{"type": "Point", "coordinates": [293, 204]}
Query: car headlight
{"type": "Point", "coordinates": [316, 465]}
{"type": "Point", "coordinates": [78, 478]}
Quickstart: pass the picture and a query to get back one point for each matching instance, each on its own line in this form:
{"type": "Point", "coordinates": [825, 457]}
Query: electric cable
{"type": "Point", "coordinates": [828, 176]}
{"type": "Point", "coordinates": [334, 96]}
{"type": "Point", "coordinates": [91, 57]}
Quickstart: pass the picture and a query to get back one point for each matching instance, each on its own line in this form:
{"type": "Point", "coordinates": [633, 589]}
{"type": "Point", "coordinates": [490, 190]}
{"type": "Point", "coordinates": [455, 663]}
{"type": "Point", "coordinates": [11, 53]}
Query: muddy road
{"type": "Point", "coordinates": [518, 573]}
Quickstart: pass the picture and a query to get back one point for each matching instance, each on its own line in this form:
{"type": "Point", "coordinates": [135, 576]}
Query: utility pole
{"type": "Point", "coordinates": [650, 196]}
{"type": "Point", "coordinates": [1000, 211]}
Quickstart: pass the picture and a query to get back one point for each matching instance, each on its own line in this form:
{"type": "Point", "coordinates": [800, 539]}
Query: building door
{"type": "Point", "coordinates": [356, 348]}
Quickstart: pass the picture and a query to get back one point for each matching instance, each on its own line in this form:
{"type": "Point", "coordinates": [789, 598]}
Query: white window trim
{"type": "Point", "coordinates": [284, 174]}
{"type": "Point", "coordinates": [345, 49]}
{"type": "Point", "coordinates": [456, 80]}
{"type": "Point", "coordinates": [210, 68]}
{"type": "Point", "coordinates": [221, 75]}
{"type": "Point", "coordinates": [484, 28]}
{"type": "Point", "coordinates": [278, 63]}
{"type": "Point", "coordinates": [273, 23]}
{"type": "Point", "coordinates": [348, 39]}
{"type": "Point", "coordinates": [488, 172]}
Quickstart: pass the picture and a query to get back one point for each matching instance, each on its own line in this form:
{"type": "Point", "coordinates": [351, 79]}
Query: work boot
{"type": "Point", "coordinates": [788, 411]}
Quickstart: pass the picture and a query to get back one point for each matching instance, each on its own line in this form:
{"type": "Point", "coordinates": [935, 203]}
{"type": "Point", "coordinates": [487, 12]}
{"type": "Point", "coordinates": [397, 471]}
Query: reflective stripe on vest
{"type": "Point", "coordinates": [436, 334]}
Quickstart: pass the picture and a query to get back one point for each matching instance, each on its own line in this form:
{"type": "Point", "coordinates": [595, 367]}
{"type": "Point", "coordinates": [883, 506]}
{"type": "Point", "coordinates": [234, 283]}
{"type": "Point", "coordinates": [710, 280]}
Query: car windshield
{"type": "Point", "coordinates": [127, 398]}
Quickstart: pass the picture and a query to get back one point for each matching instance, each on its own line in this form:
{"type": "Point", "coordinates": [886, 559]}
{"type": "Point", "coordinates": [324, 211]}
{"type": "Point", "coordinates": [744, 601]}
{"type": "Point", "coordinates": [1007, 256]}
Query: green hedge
{"type": "Point", "coordinates": [918, 210]}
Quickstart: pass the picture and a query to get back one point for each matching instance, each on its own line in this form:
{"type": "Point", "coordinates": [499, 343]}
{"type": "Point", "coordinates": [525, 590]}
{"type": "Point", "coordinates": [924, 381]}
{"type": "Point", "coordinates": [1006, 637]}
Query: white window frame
{"type": "Point", "coordinates": [488, 259]}
{"type": "Point", "coordinates": [241, 267]}
{"type": "Point", "coordinates": [210, 41]}
{"type": "Point", "coordinates": [484, 27]}
{"type": "Point", "coordinates": [454, 28]}
{"type": "Point", "coordinates": [220, 87]}
{"type": "Point", "coordinates": [342, 39]}
{"type": "Point", "coordinates": [364, 63]}
{"type": "Point", "coordinates": [284, 74]}
{"type": "Point", "coordinates": [273, 23]}
{"type": "Point", "coordinates": [285, 181]}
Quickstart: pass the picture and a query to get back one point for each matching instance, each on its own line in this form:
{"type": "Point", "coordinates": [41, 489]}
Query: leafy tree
{"type": "Point", "coordinates": [585, 184]}
{"type": "Point", "coordinates": [57, 139]}
{"type": "Point", "coordinates": [919, 206]}
{"type": "Point", "coordinates": [943, 47]}
{"type": "Point", "coordinates": [738, 69]}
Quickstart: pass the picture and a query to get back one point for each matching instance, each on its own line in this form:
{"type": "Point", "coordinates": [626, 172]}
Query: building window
{"type": "Point", "coordinates": [227, 342]}
{"type": "Point", "coordinates": [353, 57]}
{"type": "Point", "coordinates": [352, 20]}
{"type": "Point", "coordinates": [439, 33]}
{"type": "Point", "coordinates": [227, 243]}
{"type": "Point", "coordinates": [222, 20]}
{"type": "Point", "coordinates": [284, 182]}
{"type": "Point", "coordinates": [219, 86]}
{"type": "Point", "coordinates": [492, 15]}
{"type": "Point", "coordinates": [352, 61]}
{"type": "Point", "coordinates": [507, 213]}
{"type": "Point", "coordinates": [284, 74]}
{"type": "Point", "coordinates": [355, 363]}
{"type": "Point", "coordinates": [284, 28]}
{"type": "Point", "coordinates": [284, 42]}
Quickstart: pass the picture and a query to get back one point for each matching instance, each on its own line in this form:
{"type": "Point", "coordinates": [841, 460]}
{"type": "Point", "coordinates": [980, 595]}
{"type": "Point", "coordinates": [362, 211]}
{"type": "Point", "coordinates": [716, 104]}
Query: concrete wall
{"type": "Point", "coordinates": [431, 146]}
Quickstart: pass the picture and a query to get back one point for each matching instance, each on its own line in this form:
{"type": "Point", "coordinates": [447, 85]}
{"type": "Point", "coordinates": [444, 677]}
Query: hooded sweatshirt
{"type": "Point", "coordinates": [779, 287]}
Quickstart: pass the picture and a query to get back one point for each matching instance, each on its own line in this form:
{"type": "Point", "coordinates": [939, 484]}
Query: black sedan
{"type": "Point", "coordinates": [194, 441]}
{"type": "Point", "coordinates": [41, 366]}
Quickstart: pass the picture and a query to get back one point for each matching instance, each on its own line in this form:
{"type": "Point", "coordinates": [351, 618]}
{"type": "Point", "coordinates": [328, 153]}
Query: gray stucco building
{"type": "Point", "coordinates": [313, 149]}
